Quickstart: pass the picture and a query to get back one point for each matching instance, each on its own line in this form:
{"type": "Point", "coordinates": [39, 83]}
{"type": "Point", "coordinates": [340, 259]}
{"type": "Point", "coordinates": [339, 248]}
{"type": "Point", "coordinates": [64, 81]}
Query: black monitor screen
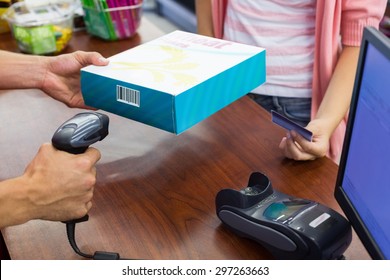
{"type": "Point", "coordinates": [363, 183]}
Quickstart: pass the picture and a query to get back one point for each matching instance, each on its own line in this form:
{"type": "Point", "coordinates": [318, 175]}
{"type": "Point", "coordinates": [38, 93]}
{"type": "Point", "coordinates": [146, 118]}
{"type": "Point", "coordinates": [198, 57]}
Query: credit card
{"type": "Point", "coordinates": [290, 125]}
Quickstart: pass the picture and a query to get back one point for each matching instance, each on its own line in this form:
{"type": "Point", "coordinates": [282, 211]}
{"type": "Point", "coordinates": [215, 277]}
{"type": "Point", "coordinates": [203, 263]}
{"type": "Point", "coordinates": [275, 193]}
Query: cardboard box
{"type": "Point", "coordinates": [174, 81]}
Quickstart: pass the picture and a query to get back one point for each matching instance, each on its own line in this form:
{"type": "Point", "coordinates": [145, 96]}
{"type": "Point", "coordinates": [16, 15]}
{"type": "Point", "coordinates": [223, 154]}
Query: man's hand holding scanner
{"type": "Point", "coordinates": [55, 186]}
{"type": "Point", "coordinates": [71, 196]}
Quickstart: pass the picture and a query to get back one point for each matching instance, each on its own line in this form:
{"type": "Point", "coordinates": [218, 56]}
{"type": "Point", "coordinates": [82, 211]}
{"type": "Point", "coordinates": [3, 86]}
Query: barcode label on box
{"type": "Point", "coordinates": [128, 95]}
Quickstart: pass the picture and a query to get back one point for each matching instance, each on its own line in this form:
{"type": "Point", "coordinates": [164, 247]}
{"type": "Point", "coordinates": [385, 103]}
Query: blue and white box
{"type": "Point", "coordinates": [174, 81]}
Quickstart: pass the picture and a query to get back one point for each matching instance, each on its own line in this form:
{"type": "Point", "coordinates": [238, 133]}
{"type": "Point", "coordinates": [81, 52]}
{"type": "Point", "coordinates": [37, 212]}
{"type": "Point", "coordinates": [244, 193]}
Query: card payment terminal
{"type": "Point", "coordinates": [289, 227]}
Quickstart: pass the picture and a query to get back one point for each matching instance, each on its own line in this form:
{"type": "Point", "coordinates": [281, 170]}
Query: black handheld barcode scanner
{"type": "Point", "coordinates": [78, 133]}
{"type": "Point", "coordinates": [75, 136]}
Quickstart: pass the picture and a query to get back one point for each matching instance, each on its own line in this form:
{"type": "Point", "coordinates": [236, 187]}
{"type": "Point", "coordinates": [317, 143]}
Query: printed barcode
{"type": "Point", "coordinates": [128, 95]}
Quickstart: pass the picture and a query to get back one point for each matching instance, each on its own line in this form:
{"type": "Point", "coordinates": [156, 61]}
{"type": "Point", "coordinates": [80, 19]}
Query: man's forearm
{"type": "Point", "coordinates": [15, 205]}
{"type": "Point", "coordinates": [21, 71]}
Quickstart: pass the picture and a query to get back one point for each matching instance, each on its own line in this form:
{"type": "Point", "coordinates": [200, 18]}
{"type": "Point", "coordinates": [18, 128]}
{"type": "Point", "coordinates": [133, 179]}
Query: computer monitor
{"type": "Point", "coordinates": [363, 181]}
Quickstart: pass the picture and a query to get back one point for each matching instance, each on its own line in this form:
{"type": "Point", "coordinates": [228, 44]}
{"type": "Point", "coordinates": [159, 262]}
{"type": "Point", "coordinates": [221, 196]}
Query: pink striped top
{"type": "Point", "coordinates": [286, 29]}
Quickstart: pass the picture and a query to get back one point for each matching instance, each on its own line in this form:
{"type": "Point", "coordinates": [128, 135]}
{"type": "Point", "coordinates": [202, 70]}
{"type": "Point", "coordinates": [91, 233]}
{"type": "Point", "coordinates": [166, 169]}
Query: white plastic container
{"type": "Point", "coordinates": [41, 29]}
